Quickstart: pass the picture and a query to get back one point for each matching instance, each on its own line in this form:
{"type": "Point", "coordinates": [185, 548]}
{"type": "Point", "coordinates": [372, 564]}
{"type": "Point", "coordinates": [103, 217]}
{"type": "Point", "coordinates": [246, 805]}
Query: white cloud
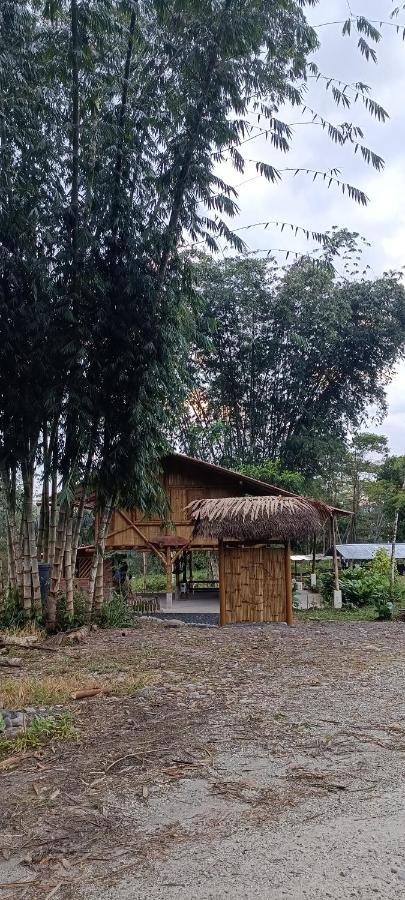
{"type": "Point", "coordinates": [303, 202]}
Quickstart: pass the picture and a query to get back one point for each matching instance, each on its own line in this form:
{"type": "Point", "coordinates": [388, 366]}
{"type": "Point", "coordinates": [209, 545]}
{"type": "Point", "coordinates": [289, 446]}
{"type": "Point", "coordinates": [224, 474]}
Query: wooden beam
{"type": "Point", "coordinates": [221, 574]}
{"type": "Point", "coordinates": [289, 616]}
{"type": "Point", "coordinates": [144, 538]}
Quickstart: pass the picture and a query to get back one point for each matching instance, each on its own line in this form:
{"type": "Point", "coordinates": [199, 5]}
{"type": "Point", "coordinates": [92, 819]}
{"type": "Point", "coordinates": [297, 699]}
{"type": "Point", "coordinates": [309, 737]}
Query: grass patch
{"type": "Point", "coordinates": [329, 614]}
{"type": "Point", "coordinates": [47, 690]}
{"type": "Point", "coordinates": [41, 730]}
{"type": "Point", "coordinates": [28, 633]}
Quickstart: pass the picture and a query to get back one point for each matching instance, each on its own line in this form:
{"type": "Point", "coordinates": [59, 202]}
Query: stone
{"type": "Point", "coordinates": [174, 623]}
{"type": "Point", "coordinates": [18, 720]}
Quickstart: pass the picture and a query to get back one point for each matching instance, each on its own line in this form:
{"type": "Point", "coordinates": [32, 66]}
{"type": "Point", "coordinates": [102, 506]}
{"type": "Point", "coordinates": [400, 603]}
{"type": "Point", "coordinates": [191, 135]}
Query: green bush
{"type": "Point", "coordinates": [65, 620]}
{"type": "Point", "coordinates": [12, 613]}
{"type": "Point", "coordinates": [154, 582]}
{"type": "Point", "coordinates": [384, 609]}
{"type": "Point", "coordinates": [115, 613]}
{"type": "Point", "coordinates": [364, 585]}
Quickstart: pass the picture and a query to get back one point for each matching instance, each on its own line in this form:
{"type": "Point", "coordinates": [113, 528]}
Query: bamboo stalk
{"type": "Point", "coordinates": [99, 585]}
{"type": "Point", "coordinates": [12, 577]}
{"type": "Point", "coordinates": [68, 564]}
{"type": "Point", "coordinates": [53, 519]}
{"type": "Point", "coordinates": [44, 549]}
{"type": "Point", "coordinates": [98, 553]}
{"type": "Point", "coordinates": [80, 511]}
{"type": "Point", "coordinates": [28, 486]}
{"type": "Point", "coordinates": [56, 568]}
{"type": "Point", "coordinates": [27, 592]}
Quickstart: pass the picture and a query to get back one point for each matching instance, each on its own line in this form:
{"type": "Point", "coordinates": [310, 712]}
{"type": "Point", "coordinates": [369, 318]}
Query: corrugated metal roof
{"type": "Point", "coordinates": [368, 551]}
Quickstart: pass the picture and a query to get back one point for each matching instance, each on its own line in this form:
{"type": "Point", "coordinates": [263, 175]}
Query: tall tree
{"type": "Point", "coordinates": [114, 115]}
{"type": "Point", "coordinates": [284, 365]}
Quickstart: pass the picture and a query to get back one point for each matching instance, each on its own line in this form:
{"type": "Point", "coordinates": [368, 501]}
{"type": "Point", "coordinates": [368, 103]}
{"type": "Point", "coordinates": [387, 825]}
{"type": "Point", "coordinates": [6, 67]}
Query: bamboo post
{"type": "Point", "coordinates": [169, 579]}
{"type": "Point", "coordinates": [337, 593]}
{"type": "Point", "coordinates": [288, 584]}
{"type": "Point", "coordinates": [221, 576]}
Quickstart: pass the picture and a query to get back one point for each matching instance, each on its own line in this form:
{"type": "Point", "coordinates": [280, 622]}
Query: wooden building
{"type": "Point", "coordinates": [171, 536]}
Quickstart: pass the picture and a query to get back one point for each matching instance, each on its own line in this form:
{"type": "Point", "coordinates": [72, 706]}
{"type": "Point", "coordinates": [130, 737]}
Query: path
{"type": "Point", "coordinates": [260, 763]}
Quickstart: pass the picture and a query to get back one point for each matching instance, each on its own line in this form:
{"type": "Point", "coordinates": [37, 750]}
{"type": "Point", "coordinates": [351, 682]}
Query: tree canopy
{"type": "Point", "coordinates": [115, 117]}
{"type": "Point", "coordinates": [284, 365]}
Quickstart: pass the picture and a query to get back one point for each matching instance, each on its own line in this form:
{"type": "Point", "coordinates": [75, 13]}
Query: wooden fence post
{"type": "Point", "coordinates": [288, 584]}
{"type": "Point", "coordinates": [221, 575]}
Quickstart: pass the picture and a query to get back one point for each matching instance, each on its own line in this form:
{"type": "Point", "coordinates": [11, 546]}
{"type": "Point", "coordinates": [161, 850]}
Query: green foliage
{"type": "Point", "coordinates": [154, 582]}
{"type": "Point", "coordinates": [12, 613]}
{"type": "Point", "coordinates": [65, 620]}
{"type": "Point", "coordinates": [272, 472]}
{"type": "Point", "coordinates": [384, 609]}
{"type": "Point", "coordinates": [41, 729]}
{"type": "Point", "coordinates": [380, 564]}
{"type": "Point", "coordinates": [116, 613]}
{"type": "Point", "coordinates": [366, 585]}
{"type": "Point", "coordinates": [260, 385]}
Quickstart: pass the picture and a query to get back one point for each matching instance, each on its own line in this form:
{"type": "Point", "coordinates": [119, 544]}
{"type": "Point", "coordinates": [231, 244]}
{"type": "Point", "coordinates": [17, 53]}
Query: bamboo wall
{"type": "Point", "coordinates": [254, 582]}
{"type": "Point", "coordinates": [181, 488]}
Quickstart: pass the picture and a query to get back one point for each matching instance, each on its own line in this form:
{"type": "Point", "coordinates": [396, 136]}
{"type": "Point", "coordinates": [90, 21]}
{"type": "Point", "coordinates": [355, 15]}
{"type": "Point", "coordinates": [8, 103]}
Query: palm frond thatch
{"type": "Point", "coordinates": [250, 518]}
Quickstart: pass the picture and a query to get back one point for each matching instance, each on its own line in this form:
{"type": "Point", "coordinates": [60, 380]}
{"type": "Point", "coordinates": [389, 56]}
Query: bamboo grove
{"type": "Point", "coordinates": [115, 118]}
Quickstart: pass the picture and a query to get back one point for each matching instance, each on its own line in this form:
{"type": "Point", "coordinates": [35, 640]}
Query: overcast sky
{"type": "Point", "coordinates": [300, 201]}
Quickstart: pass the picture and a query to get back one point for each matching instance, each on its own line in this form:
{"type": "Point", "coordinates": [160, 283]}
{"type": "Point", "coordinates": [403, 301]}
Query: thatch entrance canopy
{"type": "Point", "coordinates": [258, 518]}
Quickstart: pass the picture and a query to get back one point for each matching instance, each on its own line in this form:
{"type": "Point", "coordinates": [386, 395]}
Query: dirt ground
{"type": "Point", "coordinates": [250, 762]}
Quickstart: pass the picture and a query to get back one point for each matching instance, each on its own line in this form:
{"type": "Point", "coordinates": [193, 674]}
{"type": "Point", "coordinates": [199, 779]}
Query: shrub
{"type": "Point", "coordinates": [65, 620]}
{"type": "Point", "coordinates": [363, 585]}
{"type": "Point", "coordinates": [115, 612]}
{"type": "Point", "coordinates": [384, 609]}
{"type": "Point", "coordinates": [12, 613]}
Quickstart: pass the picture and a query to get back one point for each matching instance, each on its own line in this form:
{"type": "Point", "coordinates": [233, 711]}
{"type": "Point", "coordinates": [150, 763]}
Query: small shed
{"type": "Point", "coordinates": [254, 537]}
{"type": "Point", "coordinates": [349, 553]}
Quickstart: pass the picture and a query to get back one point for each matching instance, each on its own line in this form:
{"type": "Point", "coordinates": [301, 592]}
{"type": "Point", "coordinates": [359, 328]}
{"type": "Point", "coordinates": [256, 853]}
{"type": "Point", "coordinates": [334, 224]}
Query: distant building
{"type": "Point", "coordinates": [361, 553]}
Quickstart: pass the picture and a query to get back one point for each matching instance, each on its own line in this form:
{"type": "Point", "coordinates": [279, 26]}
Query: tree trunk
{"type": "Point", "coordinates": [53, 518]}
{"type": "Point", "coordinates": [74, 199]}
{"type": "Point", "coordinates": [28, 483]}
{"type": "Point", "coordinates": [99, 585]}
{"type": "Point", "coordinates": [2, 585]}
{"type": "Point", "coordinates": [393, 547]}
{"type": "Point", "coordinates": [27, 591]}
{"type": "Point", "coordinates": [56, 568]}
{"type": "Point", "coordinates": [80, 511]}
{"type": "Point", "coordinates": [45, 494]}
{"type": "Point", "coordinates": [12, 577]}
{"type": "Point", "coordinates": [394, 542]}
{"type": "Point", "coordinates": [69, 572]}
{"type": "Point", "coordinates": [98, 555]}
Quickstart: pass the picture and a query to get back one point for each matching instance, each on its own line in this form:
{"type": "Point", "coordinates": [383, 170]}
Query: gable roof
{"type": "Point", "coordinates": [363, 552]}
{"type": "Point", "coordinates": [229, 476]}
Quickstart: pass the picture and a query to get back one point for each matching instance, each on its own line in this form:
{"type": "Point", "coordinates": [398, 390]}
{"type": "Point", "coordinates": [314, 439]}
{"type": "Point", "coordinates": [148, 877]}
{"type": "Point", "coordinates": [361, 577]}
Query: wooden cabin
{"type": "Point", "coordinates": [184, 480]}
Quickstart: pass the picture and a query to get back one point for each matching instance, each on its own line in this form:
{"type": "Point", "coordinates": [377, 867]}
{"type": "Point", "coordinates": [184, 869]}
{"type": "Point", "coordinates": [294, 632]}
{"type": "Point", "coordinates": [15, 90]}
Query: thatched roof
{"type": "Point", "coordinates": [250, 518]}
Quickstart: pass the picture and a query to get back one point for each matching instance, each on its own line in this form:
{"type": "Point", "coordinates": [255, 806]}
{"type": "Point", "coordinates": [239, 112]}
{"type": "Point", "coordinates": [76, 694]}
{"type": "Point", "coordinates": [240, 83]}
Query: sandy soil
{"type": "Point", "coordinates": [258, 762]}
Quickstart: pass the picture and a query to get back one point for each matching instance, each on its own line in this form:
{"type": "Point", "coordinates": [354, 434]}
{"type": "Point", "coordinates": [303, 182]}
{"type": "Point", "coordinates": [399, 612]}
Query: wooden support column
{"type": "Point", "coordinates": [221, 576]}
{"type": "Point", "coordinates": [313, 566]}
{"type": "Point", "coordinates": [334, 552]}
{"type": "Point", "coordinates": [337, 593]}
{"type": "Point", "coordinates": [288, 584]}
{"type": "Point", "coordinates": [169, 579]}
